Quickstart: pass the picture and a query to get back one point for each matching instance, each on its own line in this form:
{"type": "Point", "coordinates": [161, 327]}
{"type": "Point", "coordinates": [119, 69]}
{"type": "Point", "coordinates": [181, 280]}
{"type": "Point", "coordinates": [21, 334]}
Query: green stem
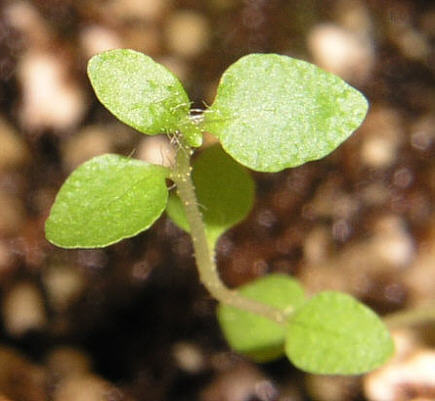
{"type": "Point", "coordinates": [411, 317]}
{"type": "Point", "coordinates": [209, 276]}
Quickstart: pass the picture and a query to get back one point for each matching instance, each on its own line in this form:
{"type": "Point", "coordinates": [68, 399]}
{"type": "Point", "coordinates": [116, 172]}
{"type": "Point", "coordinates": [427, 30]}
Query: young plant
{"type": "Point", "coordinates": [271, 112]}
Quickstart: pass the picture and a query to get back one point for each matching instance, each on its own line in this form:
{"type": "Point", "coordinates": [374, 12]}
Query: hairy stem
{"type": "Point", "coordinates": [204, 255]}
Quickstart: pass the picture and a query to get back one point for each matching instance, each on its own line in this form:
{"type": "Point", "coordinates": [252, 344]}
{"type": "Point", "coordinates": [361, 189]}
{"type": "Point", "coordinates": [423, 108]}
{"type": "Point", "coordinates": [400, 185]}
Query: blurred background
{"type": "Point", "coordinates": [131, 322]}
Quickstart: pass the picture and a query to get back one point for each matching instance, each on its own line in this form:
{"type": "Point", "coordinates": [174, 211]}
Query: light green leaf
{"type": "Point", "coordinates": [333, 333]}
{"type": "Point", "coordinates": [253, 335]}
{"type": "Point", "coordinates": [225, 192]}
{"type": "Point", "coordinates": [272, 112]}
{"type": "Point", "coordinates": [140, 92]}
{"type": "Point", "coordinates": [105, 200]}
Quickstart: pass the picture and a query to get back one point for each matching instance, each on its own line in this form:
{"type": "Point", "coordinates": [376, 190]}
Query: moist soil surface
{"type": "Point", "coordinates": [132, 322]}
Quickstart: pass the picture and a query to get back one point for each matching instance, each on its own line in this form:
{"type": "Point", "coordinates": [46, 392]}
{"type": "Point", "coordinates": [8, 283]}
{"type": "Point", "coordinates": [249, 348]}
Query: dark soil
{"type": "Point", "coordinates": [361, 220]}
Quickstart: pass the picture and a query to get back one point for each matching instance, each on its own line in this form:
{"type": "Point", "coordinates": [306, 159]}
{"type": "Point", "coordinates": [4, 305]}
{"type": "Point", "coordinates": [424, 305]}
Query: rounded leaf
{"type": "Point", "coordinates": [105, 200]}
{"type": "Point", "coordinates": [255, 336]}
{"type": "Point", "coordinates": [333, 333]}
{"type": "Point", "coordinates": [272, 112]}
{"type": "Point", "coordinates": [140, 92]}
{"type": "Point", "coordinates": [225, 192]}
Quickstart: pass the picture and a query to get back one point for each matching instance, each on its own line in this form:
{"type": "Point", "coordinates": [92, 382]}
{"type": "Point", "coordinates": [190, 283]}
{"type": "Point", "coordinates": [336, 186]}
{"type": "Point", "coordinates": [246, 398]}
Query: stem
{"type": "Point", "coordinates": [411, 317]}
{"type": "Point", "coordinates": [208, 274]}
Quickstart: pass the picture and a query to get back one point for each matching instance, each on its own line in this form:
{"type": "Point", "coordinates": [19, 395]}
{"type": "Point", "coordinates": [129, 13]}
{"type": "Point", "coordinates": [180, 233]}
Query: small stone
{"type": "Point", "coordinates": [341, 52]}
{"type": "Point", "coordinates": [412, 42]}
{"type": "Point", "coordinates": [414, 45]}
{"type": "Point", "coordinates": [392, 243]}
{"type": "Point", "coordinates": [65, 362]}
{"type": "Point", "coordinates": [240, 382]}
{"type": "Point", "coordinates": [316, 277]}
{"type": "Point", "coordinates": [381, 135]}
{"type": "Point", "coordinates": [188, 357]}
{"type": "Point", "coordinates": [85, 387]}
{"type": "Point", "coordinates": [423, 133]}
{"type": "Point", "coordinates": [332, 202]}
{"type": "Point", "coordinates": [187, 33]}
{"type": "Point", "coordinates": [378, 152]}
{"type": "Point", "coordinates": [96, 39]}
{"type": "Point", "coordinates": [332, 388]}
{"type": "Point", "coordinates": [51, 99]}
{"type": "Point", "coordinates": [317, 245]}
{"type": "Point", "coordinates": [19, 378]}
{"type": "Point", "coordinates": [23, 309]}
{"type": "Point", "coordinates": [63, 284]}
{"type": "Point", "coordinates": [156, 150]}
{"type": "Point", "coordinates": [411, 375]}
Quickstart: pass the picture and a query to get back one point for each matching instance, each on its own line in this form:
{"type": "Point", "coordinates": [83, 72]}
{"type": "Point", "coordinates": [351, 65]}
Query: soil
{"type": "Point", "coordinates": [132, 322]}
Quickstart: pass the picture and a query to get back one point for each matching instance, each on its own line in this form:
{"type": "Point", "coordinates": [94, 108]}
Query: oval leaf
{"type": "Point", "coordinates": [253, 335]}
{"type": "Point", "coordinates": [225, 192]}
{"type": "Point", "coordinates": [272, 112]}
{"type": "Point", "coordinates": [333, 333]}
{"type": "Point", "coordinates": [140, 92]}
{"type": "Point", "coordinates": [105, 200]}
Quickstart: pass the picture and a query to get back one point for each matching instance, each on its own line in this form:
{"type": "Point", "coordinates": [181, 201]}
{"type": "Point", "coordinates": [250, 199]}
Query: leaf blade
{"type": "Point", "coordinates": [139, 91]}
{"type": "Point", "coordinates": [225, 192]}
{"type": "Point", "coordinates": [255, 336]}
{"type": "Point", "coordinates": [272, 112]}
{"type": "Point", "coordinates": [105, 200]}
{"type": "Point", "coordinates": [335, 334]}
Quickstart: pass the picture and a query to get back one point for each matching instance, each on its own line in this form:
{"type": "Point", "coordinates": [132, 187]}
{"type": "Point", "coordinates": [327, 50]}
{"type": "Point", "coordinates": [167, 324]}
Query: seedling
{"type": "Point", "coordinates": [271, 112]}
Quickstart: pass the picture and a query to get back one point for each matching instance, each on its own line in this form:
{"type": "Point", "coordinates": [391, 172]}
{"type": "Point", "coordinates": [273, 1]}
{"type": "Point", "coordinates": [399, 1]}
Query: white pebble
{"type": "Point", "coordinates": [381, 135]}
{"type": "Point", "coordinates": [317, 245]}
{"type": "Point", "coordinates": [63, 284]}
{"type": "Point", "coordinates": [187, 33]}
{"type": "Point", "coordinates": [23, 309]}
{"type": "Point", "coordinates": [85, 387]}
{"type": "Point", "coordinates": [392, 243]}
{"type": "Point", "coordinates": [156, 150]}
{"type": "Point", "coordinates": [188, 357]}
{"type": "Point", "coordinates": [378, 152]}
{"type": "Point", "coordinates": [411, 375]}
{"type": "Point", "coordinates": [341, 52]}
{"type": "Point", "coordinates": [96, 39]}
{"type": "Point", "coordinates": [51, 98]}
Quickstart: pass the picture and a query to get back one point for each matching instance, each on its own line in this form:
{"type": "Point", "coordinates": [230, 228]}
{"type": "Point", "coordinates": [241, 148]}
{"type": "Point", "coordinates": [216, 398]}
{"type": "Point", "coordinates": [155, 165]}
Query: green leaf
{"type": "Point", "coordinates": [272, 112]}
{"type": "Point", "coordinates": [140, 92]}
{"type": "Point", "coordinates": [225, 192]}
{"type": "Point", "coordinates": [253, 335]}
{"type": "Point", "coordinates": [105, 200]}
{"type": "Point", "coordinates": [333, 333]}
